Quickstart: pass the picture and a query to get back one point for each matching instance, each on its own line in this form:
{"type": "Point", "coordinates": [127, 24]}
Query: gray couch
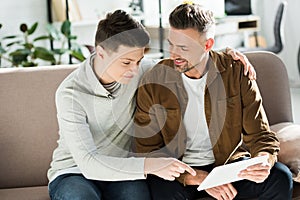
{"type": "Point", "coordinates": [28, 129]}
{"type": "Point", "coordinates": [28, 126]}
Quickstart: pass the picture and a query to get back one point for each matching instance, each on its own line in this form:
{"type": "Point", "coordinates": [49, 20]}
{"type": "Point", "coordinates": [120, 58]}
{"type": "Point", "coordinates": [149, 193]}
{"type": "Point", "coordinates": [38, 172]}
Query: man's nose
{"type": "Point", "coordinates": [174, 55]}
{"type": "Point", "coordinates": [174, 52]}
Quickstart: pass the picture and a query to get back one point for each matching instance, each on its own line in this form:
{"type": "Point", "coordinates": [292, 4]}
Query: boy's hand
{"type": "Point", "coordinates": [166, 168]}
{"type": "Point", "coordinates": [248, 68]}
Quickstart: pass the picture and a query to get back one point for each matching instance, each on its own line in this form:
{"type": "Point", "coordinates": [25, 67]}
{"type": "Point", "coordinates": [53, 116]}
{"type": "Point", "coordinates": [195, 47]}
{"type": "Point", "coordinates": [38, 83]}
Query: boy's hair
{"type": "Point", "coordinates": [119, 28]}
{"type": "Point", "coordinates": [193, 16]}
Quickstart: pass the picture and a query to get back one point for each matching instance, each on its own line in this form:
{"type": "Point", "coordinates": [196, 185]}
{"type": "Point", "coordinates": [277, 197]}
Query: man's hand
{"type": "Point", "coordinates": [166, 168]}
{"type": "Point", "coordinates": [257, 173]}
{"type": "Point", "coordinates": [195, 180]}
{"type": "Point", "coordinates": [236, 55]}
{"type": "Point", "coordinates": [223, 192]}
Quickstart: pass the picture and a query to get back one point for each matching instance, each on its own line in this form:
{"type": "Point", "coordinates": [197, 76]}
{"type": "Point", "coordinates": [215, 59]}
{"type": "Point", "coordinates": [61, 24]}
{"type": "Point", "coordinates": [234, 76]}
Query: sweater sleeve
{"type": "Point", "coordinates": [76, 133]}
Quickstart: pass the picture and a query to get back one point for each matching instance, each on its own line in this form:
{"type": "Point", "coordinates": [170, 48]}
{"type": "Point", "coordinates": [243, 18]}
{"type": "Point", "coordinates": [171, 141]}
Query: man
{"type": "Point", "coordinates": [197, 106]}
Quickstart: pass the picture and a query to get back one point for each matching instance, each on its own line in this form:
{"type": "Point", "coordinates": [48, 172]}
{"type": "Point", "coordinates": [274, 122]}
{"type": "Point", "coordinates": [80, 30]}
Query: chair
{"type": "Point", "coordinates": [278, 32]}
{"type": "Point", "coordinates": [298, 60]}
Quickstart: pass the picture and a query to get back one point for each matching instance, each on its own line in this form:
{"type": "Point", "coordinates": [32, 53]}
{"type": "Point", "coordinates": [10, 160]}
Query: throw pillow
{"type": "Point", "coordinates": [289, 154]}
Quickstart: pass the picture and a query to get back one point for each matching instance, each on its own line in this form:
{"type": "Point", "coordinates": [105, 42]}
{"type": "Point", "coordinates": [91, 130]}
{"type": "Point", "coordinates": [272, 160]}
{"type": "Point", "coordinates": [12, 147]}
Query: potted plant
{"type": "Point", "coordinates": [23, 50]}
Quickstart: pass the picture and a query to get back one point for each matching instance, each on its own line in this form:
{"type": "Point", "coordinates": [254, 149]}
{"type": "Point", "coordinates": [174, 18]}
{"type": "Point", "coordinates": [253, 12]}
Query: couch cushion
{"type": "Point", "coordinates": [28, 125]}
{"type": "Point", "coordinates": [289, 154]}
{"type": "Point", "coordinates": [29, 193]}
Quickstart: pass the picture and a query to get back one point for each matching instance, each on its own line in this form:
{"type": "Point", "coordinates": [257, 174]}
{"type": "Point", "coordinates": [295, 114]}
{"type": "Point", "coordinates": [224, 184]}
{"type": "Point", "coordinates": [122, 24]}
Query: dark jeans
{"type": "Point", "coordinates": [278, 186]}
{"type": "Point", "coordinates": [77, 187]}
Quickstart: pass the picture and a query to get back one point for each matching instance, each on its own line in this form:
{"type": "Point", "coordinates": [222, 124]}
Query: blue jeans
{"type": "Point", "coordinates": [77, 187]}
{"type": "Point", "coordinates": [278, 186]}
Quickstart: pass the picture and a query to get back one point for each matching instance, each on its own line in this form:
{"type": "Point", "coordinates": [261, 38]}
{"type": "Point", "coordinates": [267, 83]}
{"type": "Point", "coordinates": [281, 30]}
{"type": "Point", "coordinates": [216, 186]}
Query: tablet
{"type": "Point", "coordinates": [229, 173]}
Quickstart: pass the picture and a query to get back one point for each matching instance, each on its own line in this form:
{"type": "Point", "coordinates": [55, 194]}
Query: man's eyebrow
{"type": "Point", "coordinates": [178, 45]}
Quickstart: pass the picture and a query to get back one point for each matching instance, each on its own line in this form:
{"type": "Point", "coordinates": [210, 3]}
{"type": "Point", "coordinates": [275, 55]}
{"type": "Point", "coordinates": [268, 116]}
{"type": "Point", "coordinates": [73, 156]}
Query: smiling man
{"type": "Point", "coordinates": [198, 106]}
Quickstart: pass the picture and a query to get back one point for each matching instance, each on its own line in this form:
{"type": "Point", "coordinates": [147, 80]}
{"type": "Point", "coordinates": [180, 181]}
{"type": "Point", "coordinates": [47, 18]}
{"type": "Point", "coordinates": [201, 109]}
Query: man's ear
{"type": "Point", "coordinates": [209, 44]}
{"type": "Point", "coordinates": [100, 51]}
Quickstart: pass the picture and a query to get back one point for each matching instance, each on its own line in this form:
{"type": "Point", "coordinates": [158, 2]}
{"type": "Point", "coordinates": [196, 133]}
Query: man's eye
{"type": "Point", "coordinates": [126, 63]}
{"type": "Point", "coordinates": [184, 49]}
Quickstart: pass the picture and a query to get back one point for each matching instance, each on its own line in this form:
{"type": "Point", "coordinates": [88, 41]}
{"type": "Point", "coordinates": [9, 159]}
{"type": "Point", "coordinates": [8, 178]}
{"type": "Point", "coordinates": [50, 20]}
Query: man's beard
{"type": "Point", "coordinates": [187, 68]}
{"type": "Point", "coordinates": [184, 69]}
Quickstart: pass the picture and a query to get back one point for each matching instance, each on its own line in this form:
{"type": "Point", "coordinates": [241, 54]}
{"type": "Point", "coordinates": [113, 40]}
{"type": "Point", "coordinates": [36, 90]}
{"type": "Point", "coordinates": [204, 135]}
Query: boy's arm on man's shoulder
{"type": "Point", "coordinates": [248, 67]}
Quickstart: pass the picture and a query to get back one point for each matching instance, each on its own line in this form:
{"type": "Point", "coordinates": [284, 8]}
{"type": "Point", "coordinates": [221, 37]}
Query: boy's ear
{"type": "Point", "coordinates": [209, 44]}
{"type": "Point", "coordinates": [100, 51]}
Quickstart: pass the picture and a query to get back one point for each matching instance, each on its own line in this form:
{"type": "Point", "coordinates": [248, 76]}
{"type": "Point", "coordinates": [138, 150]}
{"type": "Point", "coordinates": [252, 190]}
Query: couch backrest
{"type": "Point", "coordinates": [273, 82]}
{"type": "Point", "coordinates": [28, 125]}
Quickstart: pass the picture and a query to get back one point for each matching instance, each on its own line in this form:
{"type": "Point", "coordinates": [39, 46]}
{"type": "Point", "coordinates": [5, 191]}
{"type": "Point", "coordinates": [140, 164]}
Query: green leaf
{"type": "Point", "coordinates": [72, 37]}
{"type": "Point", "coordinates": [19, 56]}
{"type": "Point", "coordinates": [10, 37]}
{"type": "Point", "coordinates": [2, 50]}
{"type": "Point", "coordinates": [66, 28]}
{"type": "Point", "coordinates": [44, 37]}
{"type": "Point", "coordinates": [78, 55]}
{"type": "Point", "coordinates": [44, 54]}
{"type": "Point", "coordinates": [53, 32]}
{"type": "Point", "coordinates": [32, 28]}
{"type": "Point", "coordinates": [60, 51]}
{"type": "Point", "coordinates": [28, 45]}
{"type": "Point", "coordinates": [29, 64]}
{"type": "Point", "coordinates": [20, 52]}
{"type": "Point", "coordinates": [14, 42]}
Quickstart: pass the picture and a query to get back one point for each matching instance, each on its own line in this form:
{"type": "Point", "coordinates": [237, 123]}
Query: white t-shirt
{"type": "Point", "coordinates": [199, 148]}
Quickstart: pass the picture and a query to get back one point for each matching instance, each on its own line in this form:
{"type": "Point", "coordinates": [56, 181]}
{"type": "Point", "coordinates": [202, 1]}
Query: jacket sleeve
{"type": "Point", "coordinates": [159, 129]}
{"type": "Point", "coordinates": [257, 135]}
{"type": "Point", "coordinates": [149, 119]}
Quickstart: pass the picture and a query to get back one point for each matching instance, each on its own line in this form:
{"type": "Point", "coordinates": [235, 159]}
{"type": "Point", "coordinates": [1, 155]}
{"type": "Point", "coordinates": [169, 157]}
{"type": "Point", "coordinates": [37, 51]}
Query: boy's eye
{"type": "Point", "coordinates": [126, 63]}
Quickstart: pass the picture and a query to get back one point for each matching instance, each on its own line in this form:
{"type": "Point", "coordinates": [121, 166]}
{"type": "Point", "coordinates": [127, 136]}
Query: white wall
{"type": "Point", "coordinates": [267, 9]}
{"type": "Point", "coordinates": [14, 12]}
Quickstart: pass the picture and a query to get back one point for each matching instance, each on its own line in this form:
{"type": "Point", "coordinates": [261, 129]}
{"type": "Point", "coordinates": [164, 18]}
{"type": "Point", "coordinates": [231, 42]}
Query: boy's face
{"type": "Point", "coordinates": [122, 65]}
{"type": "Point", "coordinates": [187, 48]}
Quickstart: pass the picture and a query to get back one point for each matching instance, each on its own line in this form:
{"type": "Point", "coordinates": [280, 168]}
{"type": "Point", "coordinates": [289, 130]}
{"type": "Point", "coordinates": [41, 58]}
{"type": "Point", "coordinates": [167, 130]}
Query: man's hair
{"type": "Point", "coordinates": [193, 16]}
{"type": "Point", "coordinates": [119, 28]}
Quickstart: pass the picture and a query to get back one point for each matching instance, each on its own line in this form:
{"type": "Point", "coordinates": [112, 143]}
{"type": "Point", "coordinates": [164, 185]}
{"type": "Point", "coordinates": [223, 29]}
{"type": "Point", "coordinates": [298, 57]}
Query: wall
{"type": "Point", "coordinates": [292, 32]}
{"type": "Point", "coordinates": [14, 12]}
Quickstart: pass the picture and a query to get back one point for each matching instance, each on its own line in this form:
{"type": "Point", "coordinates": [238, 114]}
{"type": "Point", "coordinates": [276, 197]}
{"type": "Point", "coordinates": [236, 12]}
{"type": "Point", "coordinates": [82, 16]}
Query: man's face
{"type": "Point", "coordinates": [122, 64]}
{"type": "Point", "coordinates": [187, 48]}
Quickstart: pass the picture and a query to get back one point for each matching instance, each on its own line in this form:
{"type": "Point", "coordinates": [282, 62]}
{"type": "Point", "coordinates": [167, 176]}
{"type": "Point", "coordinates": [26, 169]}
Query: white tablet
{"type": "Point", "coordinates": [229, 173]}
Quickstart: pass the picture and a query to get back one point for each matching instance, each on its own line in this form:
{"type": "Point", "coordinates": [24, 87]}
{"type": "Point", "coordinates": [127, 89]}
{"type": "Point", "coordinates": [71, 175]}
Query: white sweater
{"type": "Point", "coordinates": [95, 128]}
